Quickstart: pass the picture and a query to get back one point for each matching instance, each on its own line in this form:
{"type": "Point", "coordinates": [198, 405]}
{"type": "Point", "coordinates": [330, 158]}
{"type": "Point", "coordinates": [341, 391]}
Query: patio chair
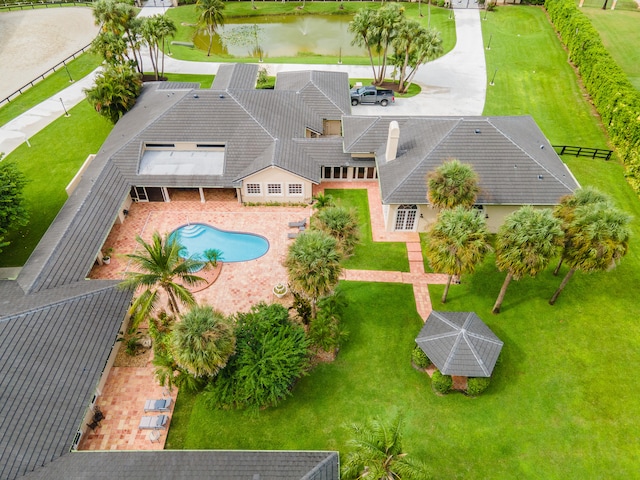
{"type": "Point", "coordinates": [153, 422]}
{"type": "Point", "coordinates": [298, 224]}
{"type": "Point", "coordinates": [292, 235]}
{"type": "Point", "coordinates": [160, 405]}
{"type": "Point", "coordinates": [154, 436]}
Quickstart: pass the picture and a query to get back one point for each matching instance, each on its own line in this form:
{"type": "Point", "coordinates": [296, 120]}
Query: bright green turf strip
{"type": "Point", "coordinates": [50, 164]}
{"type": "Point", "coordinates": [185, 17]}
{"type": "Point", "coordinates": [620, 33]}
{"type": "Point", "coordinates": [57, 81]}
{"type": "Point", "coordinates": [370, 255]}
{"type": "Point", "coordinates": [534, 78]}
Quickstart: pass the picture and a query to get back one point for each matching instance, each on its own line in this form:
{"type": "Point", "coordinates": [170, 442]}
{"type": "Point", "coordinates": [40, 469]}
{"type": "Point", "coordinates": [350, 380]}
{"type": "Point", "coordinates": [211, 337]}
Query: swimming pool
{"type": "Point", "coordinates": [235, 246]}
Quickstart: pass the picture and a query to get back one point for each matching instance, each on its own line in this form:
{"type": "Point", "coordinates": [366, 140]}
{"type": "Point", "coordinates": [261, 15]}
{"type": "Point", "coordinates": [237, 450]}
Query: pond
{"type": "Point", "coordinates": [283, 36]}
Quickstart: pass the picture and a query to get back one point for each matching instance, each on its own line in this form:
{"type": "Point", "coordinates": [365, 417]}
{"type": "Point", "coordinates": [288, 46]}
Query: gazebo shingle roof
{"type": "Point", "coordinates": [459, 343]}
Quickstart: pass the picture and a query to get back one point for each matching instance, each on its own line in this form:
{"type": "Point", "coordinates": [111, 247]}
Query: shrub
{"type": "Point", "coordinates": [477, 385]}
{"type": "Point", "coordinates": [419, 358]}
{"type": "Point", "coordinates": [325, 331]}
{"type": "Point", "coordinates": [441, 383]}
{"type": "Point", "coordinates": [271, 355]}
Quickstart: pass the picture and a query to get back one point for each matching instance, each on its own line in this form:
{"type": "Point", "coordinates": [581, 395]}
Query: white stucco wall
{"type": "Point", "coordinates": [275, 175]}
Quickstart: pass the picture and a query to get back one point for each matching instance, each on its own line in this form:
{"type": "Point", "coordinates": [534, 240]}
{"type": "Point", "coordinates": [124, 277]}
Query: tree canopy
{"type": "Point", "coordinates": [210, 18]}
{"type": "Point", "coordinates": [160, 267]}
{"type": "Point", "coordinates": [271, 354]}
{"type": "Point", "coordinates": [451, 184]}
{"type": "Point", "coordinates": [13, 212]}
{"type": "Point", "coordinates": [115, 91]}
{"type": "Point", "coordinates": [526, 243]}
{"type": "Point", "coordinates": [342, 224]}
{"type": "Point", "coordinates": [457, 243]}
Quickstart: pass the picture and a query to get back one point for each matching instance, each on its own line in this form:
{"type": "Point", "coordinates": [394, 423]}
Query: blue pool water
{"type": "Point", "coordinates": [235, 246]}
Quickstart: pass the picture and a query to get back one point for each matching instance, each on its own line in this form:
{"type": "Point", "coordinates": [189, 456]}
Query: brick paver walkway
{"type": "Point", "coordinates": [238, 287]}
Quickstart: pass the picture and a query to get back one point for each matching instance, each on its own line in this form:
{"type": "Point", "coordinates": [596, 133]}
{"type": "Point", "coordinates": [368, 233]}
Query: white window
{"type": "Point", "coordinates": [253, 189]}
{"type": "Point", "coordinates": [295, 189]}
{"type": "Point", "coordinates": [274, 189]}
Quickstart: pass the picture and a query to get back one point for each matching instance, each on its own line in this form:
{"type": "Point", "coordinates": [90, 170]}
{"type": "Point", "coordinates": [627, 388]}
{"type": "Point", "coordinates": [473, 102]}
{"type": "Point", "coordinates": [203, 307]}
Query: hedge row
{"type": "Point", "coordinates": [615, 98]}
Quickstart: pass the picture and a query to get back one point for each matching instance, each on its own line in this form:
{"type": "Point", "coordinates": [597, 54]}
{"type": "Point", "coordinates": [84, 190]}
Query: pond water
{"type": "Point", "coordinates": [283, 36]}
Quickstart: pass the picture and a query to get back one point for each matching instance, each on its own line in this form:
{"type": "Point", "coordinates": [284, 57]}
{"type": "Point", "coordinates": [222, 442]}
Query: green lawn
{"type": "Point", "coordinates": [534, 78]}
{"type": "Point", "coordinates": [370, 255]}
{"type": "Point", "coordinates": [50, 164]}
{"type": "Point", "coordinates": [57, 81]}
{"type": "Point", "coordinates": [185, 17]}
{"type": "Point", "coordinates": [620, 33]}
{"type": "Point", "coordinates": [563, 402]}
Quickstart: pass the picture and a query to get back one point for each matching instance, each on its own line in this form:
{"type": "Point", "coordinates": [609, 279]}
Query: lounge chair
{"type": "Point", "coordinates": [161, 405]}
{"type": "Point", "coordinates": [298, 224]}
{"type": "Point", "coordinates": [153, 422]}
{"type": "Point", "coordinates": [292, 235]}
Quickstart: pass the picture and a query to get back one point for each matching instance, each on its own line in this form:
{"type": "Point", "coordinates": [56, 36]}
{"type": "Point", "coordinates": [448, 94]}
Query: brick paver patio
{"type": "Point", "coordinates": [238, 287]}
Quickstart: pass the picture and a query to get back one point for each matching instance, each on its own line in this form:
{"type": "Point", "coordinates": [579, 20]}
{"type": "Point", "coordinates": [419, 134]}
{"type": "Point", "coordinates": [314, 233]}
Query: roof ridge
{"type": "Point", "coordinates": [230, 93]}
{"type": "Point", "coordinates": [475, 353]}
{"type": "Point", "coordinates": [409, 174]}
{"type": "Point", "coordinates": [375, 122]}
{"type": "Point", "coordinates": [488, 120]}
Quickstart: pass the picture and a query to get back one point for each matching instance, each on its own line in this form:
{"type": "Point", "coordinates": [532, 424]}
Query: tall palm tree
{"type": "Point", "coordinates": [155, 29]}
{"type": "Point", "coordinates": [115, 91]}
{"type": "Point", "coordinates": [362, 26]}
{"type": "Point", "coordinates": [342, 224]}
{"type": "Point", "coordinates": [120, 19]}
{"type": "Point", "coordinates": [527, 241]}
{"type": "Point", "coordinates": [210, 18]}
{"type": "Point", "coordinates": [388, 19]}
{"type": "Point", "coordinates": [457, 242]}
{"type": "Point", "coordinates": [203, 341]}
{"type": "Point", "coordinates": [566, 209]}
{"type": "Point", "coordinates": [427, 46]}
{"type": "Point", "coordinates": [378, 454]}
{"type": "Point", "coordinates": [451, 184]}
{"type": "Point", "coordinates": [161, 268]}
{"type": "Point", "coordinates": [313, 266]}
{"type": "Point", "coordinates": [598, 239]}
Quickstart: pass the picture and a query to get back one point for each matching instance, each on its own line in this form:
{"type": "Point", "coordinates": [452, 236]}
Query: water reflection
{"type": "Point", "coordinates": [283, 36]}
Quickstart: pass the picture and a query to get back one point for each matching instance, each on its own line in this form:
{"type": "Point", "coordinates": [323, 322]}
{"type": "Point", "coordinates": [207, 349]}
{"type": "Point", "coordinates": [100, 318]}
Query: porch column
{"type": "Point", "coordinates": [201, 190]}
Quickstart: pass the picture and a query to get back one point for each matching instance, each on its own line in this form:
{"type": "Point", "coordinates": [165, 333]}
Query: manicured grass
{"type": "Point", "coordinates": [534, 78]}
{"type": "Point", "coordinates": [370, 255]}
{"type": "Point", "coordinates": [620, 33]}
{"type": "Point", "coordinates": [205, 81]}
{"type": "Point", "coordinates": [563, 400]}
{"type": "Point", "coordinates": [185, 17]}
{"type": "Point", "coordinates": [50, 164]}
{"type": "Point", "coordinates": [57, 81]}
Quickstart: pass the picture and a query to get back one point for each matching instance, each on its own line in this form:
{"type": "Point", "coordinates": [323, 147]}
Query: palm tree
{"type": "Point", "coordinates": [321, 201]}
{"type": "Point", "coordinates": [154, 31]}
{"type": "Point", "coordinates": [526, 242]}
{"type": "Point", "coordinates": [451, 184]}
{"type": "Point", "coordinates": [341, 224]}
{"type": "Point", "coordinates": [161, 268]}
{"type": "Point", "coordinates": [313, 266]}
{"type": "Point", "coordinates": [362, 26]}
{"type": "Point", "coordinates": [115, 91]}
{"type": "Point", "coordinates": [120, 19]}
{"type": "Point", "coordinates": [377, 453]}
{"type": "Point", "coordinates": [598, 239]}
{"type": "Point", "coordinates": [457, 242]}
{"type": "Point", "coordinates": [203, 341]}
{"type": "Point", "coordinates": [566, 209]}
{"type": "Point", "coordinates": [210, 18]}
{"type": "Point", "coordinates": [388, 19]}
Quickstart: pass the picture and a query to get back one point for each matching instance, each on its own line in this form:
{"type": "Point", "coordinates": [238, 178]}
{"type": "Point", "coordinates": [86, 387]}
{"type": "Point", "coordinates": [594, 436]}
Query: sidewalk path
{"type": "Point", "coordinates": [454, 84]}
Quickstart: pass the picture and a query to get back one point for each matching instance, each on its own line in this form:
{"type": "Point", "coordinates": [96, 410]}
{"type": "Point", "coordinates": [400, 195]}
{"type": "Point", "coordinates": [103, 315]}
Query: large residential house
{"type": "Point", "coordinates": [58, 329]}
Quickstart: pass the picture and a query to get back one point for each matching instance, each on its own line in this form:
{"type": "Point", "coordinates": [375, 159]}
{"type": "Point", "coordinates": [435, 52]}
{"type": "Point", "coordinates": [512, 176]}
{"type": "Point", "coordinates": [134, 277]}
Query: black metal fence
{"type": "Point", "coordinates": [583, 151]}
{"type": "Point", "coordinates": [9, 6]}
{"type": "Point", "coordinates": [62, 64]}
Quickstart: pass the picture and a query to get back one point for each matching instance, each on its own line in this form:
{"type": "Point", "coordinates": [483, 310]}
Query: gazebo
{"type": "Point", "coordinates": [459, 344]}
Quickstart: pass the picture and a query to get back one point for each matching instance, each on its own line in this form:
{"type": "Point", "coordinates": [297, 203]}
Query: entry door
{"type": "Point", "coordinates": [406, 217]}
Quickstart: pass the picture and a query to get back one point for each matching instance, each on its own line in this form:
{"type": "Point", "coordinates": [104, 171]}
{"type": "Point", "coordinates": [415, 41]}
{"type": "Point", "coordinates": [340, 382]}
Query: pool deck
{"type": "Point", "coordinates": [237, 288]}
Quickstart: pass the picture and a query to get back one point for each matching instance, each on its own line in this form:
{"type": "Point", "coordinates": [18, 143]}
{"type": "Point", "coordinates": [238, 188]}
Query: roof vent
{"type": "Point", "coordinates": [541, 147]}
{"type": "Point", "coordinates": [540, 177]}
{"type": "Point", "coordinates": [477, 131]}
{"type": "Point", "coordinates": [196, 96]}
{"type": "Point", "coordinates": [220, 96]}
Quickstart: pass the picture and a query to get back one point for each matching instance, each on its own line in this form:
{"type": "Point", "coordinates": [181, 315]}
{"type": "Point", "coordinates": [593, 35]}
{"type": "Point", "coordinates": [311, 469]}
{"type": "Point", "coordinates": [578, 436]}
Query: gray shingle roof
{"type": "Point", "coordinates": [52, 359]}
{"type": "Point", "coordinates": [235, 75]}
{"type": "Point", "coordinates": [216, 464]}
{"type": "Point", "coordinates": [515, 163]}
{"type": "Point", "coordinates": [459, 343]}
